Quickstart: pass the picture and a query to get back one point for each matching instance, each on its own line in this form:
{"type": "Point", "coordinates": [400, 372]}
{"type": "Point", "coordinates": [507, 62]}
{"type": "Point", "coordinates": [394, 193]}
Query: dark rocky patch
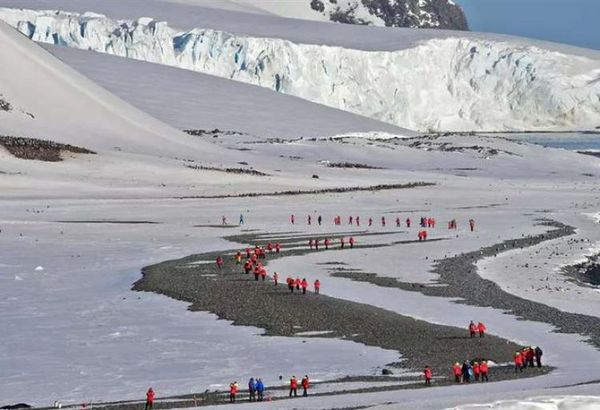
{"type": "Point", "coordinates": [4, 105]}
{"type": "Point", "coordinates": [40, 150]}
{"type": "Point", "coordinates": [587, 272]}
{"type": "Point", "coordinates": [350, 165]}
{"type": "Point", "coordinates": [246, 171]}
{"type": "Point", "coordinates": [373, 188]}
{"type": "Point", "coordinates": [108, 221]}
{"type": "Point", "coordinates": [235, 296]}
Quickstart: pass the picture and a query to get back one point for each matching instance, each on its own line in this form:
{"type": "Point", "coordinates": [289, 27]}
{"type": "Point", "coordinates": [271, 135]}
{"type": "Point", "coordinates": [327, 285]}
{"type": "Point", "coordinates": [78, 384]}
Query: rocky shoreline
{"type": "Point", "coordinates": [234, 296]}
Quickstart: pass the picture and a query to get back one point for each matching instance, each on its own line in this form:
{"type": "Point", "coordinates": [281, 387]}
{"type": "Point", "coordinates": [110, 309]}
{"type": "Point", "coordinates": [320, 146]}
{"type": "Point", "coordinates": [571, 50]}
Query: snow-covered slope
{"type": "Point", "coordinates": [207, 102]}
{"type": "Point", "coordinates": [50, 100]}
{"type": "Point", "coordinates": [441, 84]}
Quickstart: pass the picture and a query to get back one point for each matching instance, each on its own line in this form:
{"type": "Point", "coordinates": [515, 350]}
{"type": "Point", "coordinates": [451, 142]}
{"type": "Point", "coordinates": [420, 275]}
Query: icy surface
{"type": "Point", "coordinates": [208, 102]}
{"type": "Point", "coordinates": [460, 83]}
{"type": "Point", "coordinates": [540, 403]}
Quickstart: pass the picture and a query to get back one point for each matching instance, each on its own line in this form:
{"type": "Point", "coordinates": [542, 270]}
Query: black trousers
{"type": "Point", "coordinates": [148, 405]}
{"type": "Point", "coordinates": [295, 391]}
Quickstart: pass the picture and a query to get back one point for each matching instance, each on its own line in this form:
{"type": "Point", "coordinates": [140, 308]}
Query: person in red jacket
{"type": "Point", "coordinates": [457, 371]}
{"type": "Point", "coordinates": [277, 247]}
{"type": "Point", "coordinates": [270, 247]}
{"type": "Point", "coordinates": [293, 386]}
{"type": "Point", "coordinates": [305, 385]}
{"type": "Point", "coordinates": [298, 283]}
{"type": "Point", "coordinates": [219, 262]}
{"type": "Point", "coordinates": [290, 283]}
{"type": "Point", "coordinates": [304, 285]}
{"type": "Point", "coordinates": [311, 244]}
{"type": "Point", "coordinates": [248, 266]}
{"type": "Point", "coordinates": [483, 369]}
{"type": "Point", "coordinates": [326, 243]}
{"type": "Point", "coordinates": [397, 222]}
{"type": "Point", "coordinates": [476, 371]}
{"type": "Point", "coordinates": [428, 375]}
{"type": "Point", "coordinates": [351, 242]}
{"type": "Point", "coordinates": [408, 222]}
{"type": "Point", "coordinates": [317, 286]}
{"type": "Point", "coordinates": [233, 389]}
{"type": "Point", "coordinates": [472, 329]}
{"type": "Point", "coordinates": [263, 273]}
{"type": "Point", "coordinates": [481, 328]}
{"type": "Point", "coordinates": [149, 399]}
{"type": "Point", "coordinates": [518, 362]}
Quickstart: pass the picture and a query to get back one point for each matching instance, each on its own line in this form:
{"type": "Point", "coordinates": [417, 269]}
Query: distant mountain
{"type": "Point", "coordinates": [394, 13]}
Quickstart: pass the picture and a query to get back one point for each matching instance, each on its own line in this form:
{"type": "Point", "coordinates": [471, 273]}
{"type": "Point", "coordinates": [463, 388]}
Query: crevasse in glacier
{"type": "Point", "coordinates": [444, 84]}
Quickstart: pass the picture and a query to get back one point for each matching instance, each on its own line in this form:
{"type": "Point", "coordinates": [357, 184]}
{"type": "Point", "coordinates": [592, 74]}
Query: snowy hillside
{"type": "Point", "coordinates": [448, 83]}
{"type": "Point", "coordinates": [392, 13]}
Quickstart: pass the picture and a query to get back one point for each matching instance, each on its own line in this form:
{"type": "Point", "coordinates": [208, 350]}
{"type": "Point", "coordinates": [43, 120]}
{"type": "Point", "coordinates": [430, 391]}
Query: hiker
{"type": "Point", "coordinates": [269, 247]}
{"type": "Point", "coordinates": [326, 243]}
{"type": "Point", "coordinates": [466, 370]}
{"type": "Point", "coordinates": [293, 386]}
{"type": "Point", "coordinates": [220, 262]}
{"type": "Point", "coordinates": [456, 370]}
{"type": "Point", "coordinates": [290, 283]}
{"type": "Point", "coordinates": [518, 362]}
{"type": "Point", "coordinates": [316, 244]}
{"type": "Point", "coordinates": [149, 399]}
{"type": "Point", "coordinates": [317, 286]}
{"type": "Point", "coordinates": [305, 385]}
{"type": "Point", "coordinates": [256, 272]}
{"type": "Point", "coordinates": [319, 220]}
{"type": "Point", "coordinates": [370, 221]}
{"type": "Point", "coordinates": [233, 389]}
{"type": "Point", "coordinates": [357, 221]}
{"type": "Point", "coordinates": [309, 219]}
{"type": "Point", "coordinates": [530, 355]}
{"type": "Point", "coordinates": [398, 222]}
{"type": "Point", "coordinates": [292, 219]}
{"type": "Point", "coordinates": [311, 244]}
{"type": "Point", "coordinates": [275, 277]}
{"type": "Point", "coordinates": [263, 273]}
{"type": "Point", "coordinates": [427, 374]}
{"type": "Point", "coordinates": [277, 247]}
{"type": "Point", "coordinates": [238, 258]}
{"type": "Point", "coordinates": [248, 253]}
{"type": "Point", "coordinates": [260, 389]}
{"type": "Point", "coordinates": [252, 389]}
{"type": "Point", "coordinates": [472, 329]}
{"type": "Point", "coordinates": [241, 219]}
{"type": "Point", "coordinates": [248, 266]}
{"type": "Point", "coordinates": [538, 356]}
{"type": "Point", "coordinates": [223, 221]}
{"type": "Point", "coordinates": [472, 224]}
{"type": "Point", "coordinates": [481, 328]}
{"type": "Point", "coordinates": [298, 283]}
{"type": "Point", "coordinates": [342, 242]}
{"type": "Point", "coordinates": [383, 221]}
{"type": "Point", "coordinates": [304, 285]}
{"type": "Point", "coordinates": [483, 369]}
{"type": "Point", "coordinates": [351, 242]}
{"type": "Point", "coordinates": [350, 220]}
{"type": "Point", "coordinates": [408, 222]}
{"type": "Point", "coordinates": [476, 371]}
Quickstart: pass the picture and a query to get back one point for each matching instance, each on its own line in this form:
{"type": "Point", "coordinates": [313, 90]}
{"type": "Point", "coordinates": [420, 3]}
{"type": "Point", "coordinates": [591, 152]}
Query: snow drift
{"type": "Point", "coordinates": [441, 84]}
{"type": "Point", "coordinates": [542, 403]}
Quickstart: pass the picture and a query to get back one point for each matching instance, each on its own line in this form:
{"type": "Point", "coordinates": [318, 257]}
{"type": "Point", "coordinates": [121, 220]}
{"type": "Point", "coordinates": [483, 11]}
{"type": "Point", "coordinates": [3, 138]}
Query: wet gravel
{"type": "Point", "coordinates": [232, 295]}
{"type": "Point", "coordinates": [459, 279]}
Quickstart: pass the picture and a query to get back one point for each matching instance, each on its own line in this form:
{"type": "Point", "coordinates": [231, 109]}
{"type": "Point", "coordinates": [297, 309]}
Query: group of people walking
{"type": "Point", "coordinates": [256, 390]}
{"type": "Point", "coordinates": [315, 243]}
{"type": "Point", "coordinates": [526, 356]}
{"type": "Point", "coordinates": [467, 372]}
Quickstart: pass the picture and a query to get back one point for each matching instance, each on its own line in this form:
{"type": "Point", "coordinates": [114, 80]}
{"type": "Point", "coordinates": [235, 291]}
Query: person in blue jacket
{"type": "Point", "coordinates": [260, 389]}
{"type": "Point", "coordinates": [252, 389]}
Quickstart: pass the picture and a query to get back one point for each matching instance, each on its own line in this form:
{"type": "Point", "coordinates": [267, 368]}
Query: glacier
{"type": "Point", "coordinates": [441, 84]}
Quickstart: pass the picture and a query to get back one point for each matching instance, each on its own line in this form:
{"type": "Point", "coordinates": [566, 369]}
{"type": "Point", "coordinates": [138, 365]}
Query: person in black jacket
{"type": "Point", "coordinates": [538, 356]}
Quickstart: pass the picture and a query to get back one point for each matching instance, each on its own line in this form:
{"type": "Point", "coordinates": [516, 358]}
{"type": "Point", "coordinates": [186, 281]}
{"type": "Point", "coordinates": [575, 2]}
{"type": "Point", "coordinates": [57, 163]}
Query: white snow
{"type": "Point", "coordinates": [541, 403]}
{"type": "Point", "coordinates": [459, 84]}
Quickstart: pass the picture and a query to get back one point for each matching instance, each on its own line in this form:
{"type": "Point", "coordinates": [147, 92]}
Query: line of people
{"type": "Point", "coordinates": [315, 243]}
{"type": "Point", "coordinates": [467, 372]}
{"type": "Point", "coordinates": [425, 221]}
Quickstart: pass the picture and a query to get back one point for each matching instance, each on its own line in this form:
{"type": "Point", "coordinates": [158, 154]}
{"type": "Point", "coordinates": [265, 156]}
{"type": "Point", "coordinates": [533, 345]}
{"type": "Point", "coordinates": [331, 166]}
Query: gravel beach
{"type": "Point", "coordinates": [235, 296]}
